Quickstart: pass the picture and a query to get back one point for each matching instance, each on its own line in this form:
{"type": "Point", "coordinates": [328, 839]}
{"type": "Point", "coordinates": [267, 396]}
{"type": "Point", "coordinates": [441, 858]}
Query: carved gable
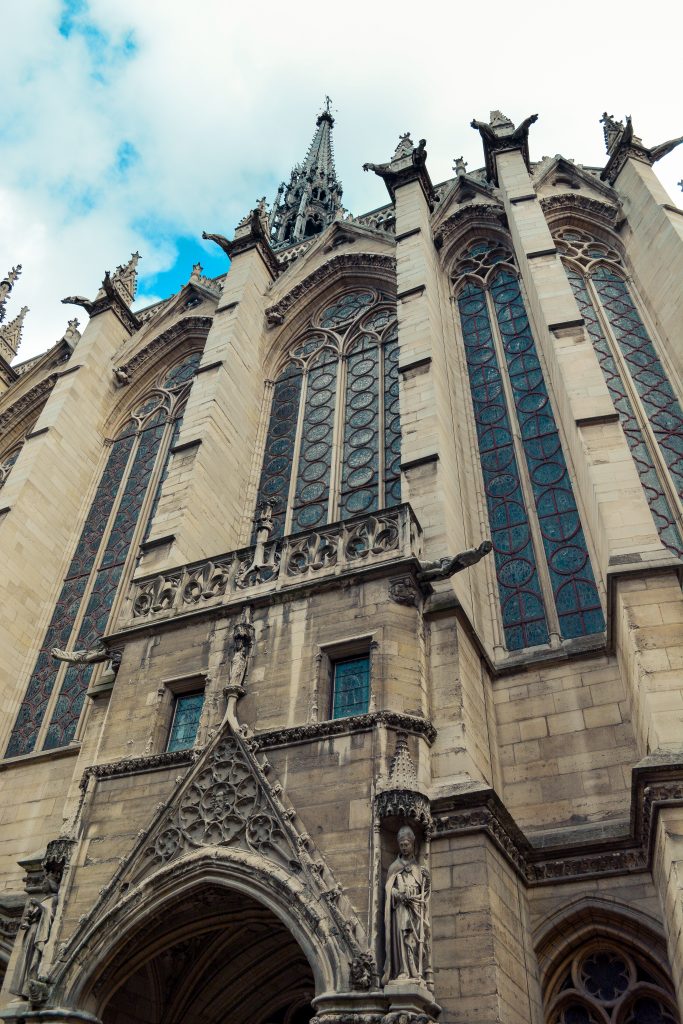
{"type": "Point", "coordinates": [226, 802]}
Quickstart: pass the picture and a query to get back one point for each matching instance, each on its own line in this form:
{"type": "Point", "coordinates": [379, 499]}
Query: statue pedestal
{"type": "Point", "coordinates": [410, 996]}
{"type": "Point", "coordinates": [19, 1012]}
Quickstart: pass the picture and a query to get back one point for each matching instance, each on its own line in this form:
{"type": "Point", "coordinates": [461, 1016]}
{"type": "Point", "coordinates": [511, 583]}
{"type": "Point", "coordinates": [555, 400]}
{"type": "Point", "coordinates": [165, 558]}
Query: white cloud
{"type": "Point", "coordinates": [158, 119]}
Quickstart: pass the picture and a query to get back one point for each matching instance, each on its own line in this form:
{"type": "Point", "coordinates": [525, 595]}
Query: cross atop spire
{"type": "Point", "coordinates": [311, 200]}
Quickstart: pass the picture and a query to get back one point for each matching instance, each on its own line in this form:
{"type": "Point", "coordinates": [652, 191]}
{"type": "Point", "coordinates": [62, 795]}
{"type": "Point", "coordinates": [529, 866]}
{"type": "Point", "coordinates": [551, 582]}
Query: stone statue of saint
{"type": "Point", "coordinates": [406, 914]}
{"type": "Point", "coordinates": [37, 924]}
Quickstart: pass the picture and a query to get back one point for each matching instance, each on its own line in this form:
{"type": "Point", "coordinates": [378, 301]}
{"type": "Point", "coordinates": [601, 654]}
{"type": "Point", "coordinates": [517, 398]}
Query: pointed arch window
{"type": "Point", "coordinates": [545, 579]}
{"type": "Point", "coordinates": [333, 447]}
{"type": "Point", "coordinates": [605, 983]}
{"type": "Point", "coordinates": [7, 462]}
{"type": "Point", "coordinates": [124, 502]}
{"type": "Point", "coordinates": [648, 407]}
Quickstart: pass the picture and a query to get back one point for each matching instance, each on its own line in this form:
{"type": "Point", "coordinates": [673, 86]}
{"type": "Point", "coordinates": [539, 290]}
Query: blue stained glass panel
{"type": "Point", "coordinates": [649, 376]}
{"type": "Point", "coordinates": [523, 613]}
{"type": "Point", "coordinates": [183, 372]}
{"type": "Point", "coordinates": [70, 701]}
{"type": "Point", "coordinates": [315, 456]}
{"type": "Point", "coordinates": [41, 683]}
{"type": "Point", "coordinates": [128, 511]}
{"type": "Point", "coordinates": [360, 459]}
{"type": "Point", "coordinates": [279, 453]}
{"type": "Point", "coordinates": [649, 478]}
{"type": "Point", "coordinates": [164, 473]}
{"type": "Point", "coordinates": [346, 309]}
{"type": "Point", "coordinates": [571, 574]}
{"type": "Point", "coordinates": [91, 535]}
{"type": "Point", "coordinates": [351, 687]}
{"type": "Point", "coordinates": [72, 694]}
{"type": "Point", "coordinates": [186, 716]}
{"type": "Point", "coordinates": [45, 671]}
{"type": "Point", "coordinates": [392, 424]}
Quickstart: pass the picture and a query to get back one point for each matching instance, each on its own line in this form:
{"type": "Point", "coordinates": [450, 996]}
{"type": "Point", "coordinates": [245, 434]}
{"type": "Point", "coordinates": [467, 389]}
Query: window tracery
{"type": "Point", "coordinates": [545, 579]}
{"type": "Point", "coordinates": [7, 463]}
{"type": "Point", "coordinates": [113, 522]}
{"type": "Point", "coordinates": [333, 447]}
{"type": "Point", "coordinates": [605, 984]}
{"type": "Point", "coordinates": [649, 410]}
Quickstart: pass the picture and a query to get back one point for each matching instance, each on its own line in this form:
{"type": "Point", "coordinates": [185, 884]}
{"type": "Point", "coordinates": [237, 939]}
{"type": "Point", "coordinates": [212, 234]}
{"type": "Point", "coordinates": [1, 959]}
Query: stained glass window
{"type": "Point", "coordinates": [187, 710]}
{"type": "Point", "coordinates": [7, 463]}
{"type": "Point", "coordinates": [338, 393]}
{"type": "Point", "coordinates": [633, 372]}
{"type": "Point", "coordinates": [601, 984]}
{"type": "Point", "coordinates": [523, 612]}
{"type": "Point", "coordinates": [350, 687]}
{"type": "Point", "coordinates": [103, 551]}
{"type": "Point", "coordinates": [510, 398]}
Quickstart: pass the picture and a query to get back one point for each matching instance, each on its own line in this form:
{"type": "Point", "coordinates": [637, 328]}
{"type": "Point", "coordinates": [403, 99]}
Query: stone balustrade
{"type": "Point", "coordinates": [369, 540]}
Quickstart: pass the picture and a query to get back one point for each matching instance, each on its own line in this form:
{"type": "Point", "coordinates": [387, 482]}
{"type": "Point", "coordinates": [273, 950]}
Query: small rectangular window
{"type": "Point", "coordinates": [350, 686]}
{"type": "Point", "coordinates": [187, 710]}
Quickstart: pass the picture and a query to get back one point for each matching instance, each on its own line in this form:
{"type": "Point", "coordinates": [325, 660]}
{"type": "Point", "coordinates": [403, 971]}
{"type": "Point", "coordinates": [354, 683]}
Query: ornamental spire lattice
{"type": "Point", "coordinates": [304, 207]}
{"type": "Point", "coordinates": [10, 335]}
{"type": "Point", "coordinates": [6, 287]}
{"type": "Point", "coordinates": [125, 278]}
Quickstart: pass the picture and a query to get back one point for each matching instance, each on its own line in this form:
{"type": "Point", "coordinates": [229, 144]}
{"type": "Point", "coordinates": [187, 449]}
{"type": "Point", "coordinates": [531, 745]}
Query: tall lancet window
{"type": "Point", "coordinates": [121, 507]}
{"type": "Point", "coordinates": [545, 579]}
{"type": "Point", "coordinates": [333, 448]}
{"type": "Point", "coordinates": [649, 410]}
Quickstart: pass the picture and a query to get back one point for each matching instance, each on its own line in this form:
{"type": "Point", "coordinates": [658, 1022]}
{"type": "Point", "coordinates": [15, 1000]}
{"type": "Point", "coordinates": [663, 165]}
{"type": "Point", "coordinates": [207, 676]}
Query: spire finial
{"type": "Point", "coordinates": [6, 287]}
{"type": "Point", "coordinates": [10, 335]}
{"type": "Point", "coordinates": [125, 278]}
{"type": "Point", "coordinates": [309, 202]}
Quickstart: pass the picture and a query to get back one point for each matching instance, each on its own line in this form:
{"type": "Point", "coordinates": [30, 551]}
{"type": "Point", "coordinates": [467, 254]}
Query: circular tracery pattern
{"type": "Point", "coordinates": [602, 984]}
{"type": "Point", "coordinates": [351, 345]}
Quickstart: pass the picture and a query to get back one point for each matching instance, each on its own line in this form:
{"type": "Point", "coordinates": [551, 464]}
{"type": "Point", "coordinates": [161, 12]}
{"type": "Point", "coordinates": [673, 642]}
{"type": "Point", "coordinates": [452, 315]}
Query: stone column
{"type": "Point", "coordinates": [484, 964]}
{"type": "Point", "coordinates": [667, 871]}
{"type": "Point", "coordinates": [48, 490]}
{"type": "Point", "coordinates": [429, 476]}
{"type": "Point", "coordinates": [203, 498]}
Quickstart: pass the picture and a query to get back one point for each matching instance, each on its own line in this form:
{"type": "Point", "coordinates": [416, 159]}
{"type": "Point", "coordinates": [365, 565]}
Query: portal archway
{"type": "Point", "coordinates": [218, 955]}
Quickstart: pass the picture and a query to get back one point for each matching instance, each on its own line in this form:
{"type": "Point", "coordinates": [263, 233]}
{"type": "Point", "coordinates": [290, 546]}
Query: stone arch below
{"type": "Point", "coordinates": [194, 919]}
{"type": "Point", "coordinates": [225, 957]}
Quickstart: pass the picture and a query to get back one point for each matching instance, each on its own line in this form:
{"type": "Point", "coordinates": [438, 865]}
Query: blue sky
{"type": "Point", "coordinates": [134, 126]}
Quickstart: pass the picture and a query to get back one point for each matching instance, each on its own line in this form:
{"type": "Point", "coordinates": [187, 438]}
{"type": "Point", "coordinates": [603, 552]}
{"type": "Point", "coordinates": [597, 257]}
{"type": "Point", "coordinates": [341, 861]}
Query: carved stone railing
{"type": "Point", "coordinates": [364, 541]}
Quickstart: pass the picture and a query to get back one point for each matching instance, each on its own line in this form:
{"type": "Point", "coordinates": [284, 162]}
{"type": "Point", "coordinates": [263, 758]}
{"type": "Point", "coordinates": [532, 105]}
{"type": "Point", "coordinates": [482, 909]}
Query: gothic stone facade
{"type": "Point", "coordinates": [270, 751]}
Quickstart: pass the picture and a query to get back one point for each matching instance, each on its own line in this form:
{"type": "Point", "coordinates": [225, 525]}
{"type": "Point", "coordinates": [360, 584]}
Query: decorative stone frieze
{"type": "Point", "coordinates": [328, 272]}
{"type": "Point", "coordinates": [482, 811]}
{"type": "Point", "coordinates": [566, 202]}
{"type": "Point", "coordinates": [316, 554]}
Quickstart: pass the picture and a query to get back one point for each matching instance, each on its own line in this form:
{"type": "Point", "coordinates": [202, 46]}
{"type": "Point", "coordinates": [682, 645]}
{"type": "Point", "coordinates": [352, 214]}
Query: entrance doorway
{"type": "Point", "coordinates": [219, 957]}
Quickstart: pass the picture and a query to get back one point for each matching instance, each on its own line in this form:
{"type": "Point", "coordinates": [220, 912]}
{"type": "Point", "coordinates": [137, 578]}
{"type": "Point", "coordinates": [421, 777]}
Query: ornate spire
{"type": "Point", "coordinates": [402, 774]}
{"type": "Point", "coordinates": [311, 200]}
{"type": "Point", "coordinates": [125, 279]}
{"type": "Point", "coordinates": [10, 335]}
{"type": "Point", "coordinates": [6, 288]}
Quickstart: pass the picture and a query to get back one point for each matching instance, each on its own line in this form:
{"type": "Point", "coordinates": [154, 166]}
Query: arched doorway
{"type": "Point", "coordinates": [216, 956]}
